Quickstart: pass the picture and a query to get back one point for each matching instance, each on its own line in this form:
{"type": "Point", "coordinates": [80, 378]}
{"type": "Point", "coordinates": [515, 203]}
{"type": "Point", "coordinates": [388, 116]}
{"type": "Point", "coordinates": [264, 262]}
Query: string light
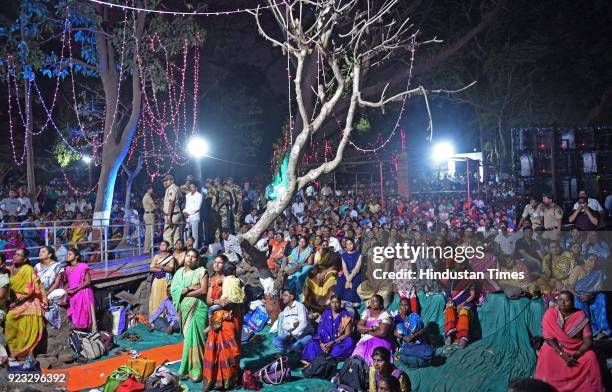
{"type": "Point", "coordinates": [180, 13]}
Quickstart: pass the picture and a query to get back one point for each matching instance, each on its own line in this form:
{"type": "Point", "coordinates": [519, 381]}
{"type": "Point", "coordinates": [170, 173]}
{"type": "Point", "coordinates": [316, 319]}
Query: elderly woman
{"type": "Point", "coordinates": [375, 327]}
{"type": "Point", "coordinates": [51, 274]}
{"type": "Point", "coordinates": [556, 269]}
{"type": "Point", "coordinates": [566, 360]}
{"type": "Point", "coordinates": [586, 283]}
{"type": "Point", "coordinates": [333, 335]}
{"type": "Point", "coordinates": [322, 279]}
{"type": "Point", "coordinates": [24, 323]}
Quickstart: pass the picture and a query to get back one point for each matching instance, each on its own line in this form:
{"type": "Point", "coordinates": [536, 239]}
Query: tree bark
{"type": "Point", "coordinates": [131, 176]}
{"type": "Point", "coordinates": [28, 144]}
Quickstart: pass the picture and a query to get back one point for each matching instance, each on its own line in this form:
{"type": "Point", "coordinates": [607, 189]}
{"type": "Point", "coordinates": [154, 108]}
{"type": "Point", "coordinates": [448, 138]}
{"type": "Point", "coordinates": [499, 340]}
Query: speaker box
{"type": "Point", "coordinates": [589, 162]}
{"type": "Point", "coordinates": [568, 139]}
{"type": "Point", "coordinates": [527, 168]}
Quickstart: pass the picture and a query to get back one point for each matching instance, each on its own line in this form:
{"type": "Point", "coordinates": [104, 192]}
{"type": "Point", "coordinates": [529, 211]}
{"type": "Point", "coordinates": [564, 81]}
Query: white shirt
{"type": "Point", "coordinates": [296, 312]}
{"type": "Point", "coordinates": [326, 191]}
{"type": "Point", "coordinates": [61, 254]}
{"type": "Point", "coordinates": [507, 244]}
{"type": "Point", "coordinates": [70, 206]}
{"type": "Point", "coordinates": [232, 247]}
{"type": "Point", "coordinates": [592, 204]}
{"type": "Point", "coordinates": [334, 244]}
{"type": "Point", "coordinates": [193, 202]}
{"type": "Point", "coordinates": [250, 219]}
{"type": "Point", "coordinates": [297, 208]}
{"type": "Point", "coordinates": [310, 191]}
{"type": "Point", "coordinates": [26, 206]}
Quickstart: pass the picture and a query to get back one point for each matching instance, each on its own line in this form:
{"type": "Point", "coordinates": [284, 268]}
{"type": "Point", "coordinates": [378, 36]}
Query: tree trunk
{"type": "Point", "coordinates": [131, 176]}
{"type": "Point", "coordinates": [28, 143]}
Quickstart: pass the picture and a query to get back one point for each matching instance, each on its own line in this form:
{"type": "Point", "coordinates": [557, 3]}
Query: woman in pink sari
{"type": "Point", "coordinates": [566, 360]}
{"type": "Point", "coordinates": [80, 294]}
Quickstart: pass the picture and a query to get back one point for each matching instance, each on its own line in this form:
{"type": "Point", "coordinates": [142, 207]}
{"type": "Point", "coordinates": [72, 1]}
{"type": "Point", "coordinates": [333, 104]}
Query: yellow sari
{"type": "Point", "coordinates": [79, 234]}
{"type": "Point", "coordinates": [24, 323]}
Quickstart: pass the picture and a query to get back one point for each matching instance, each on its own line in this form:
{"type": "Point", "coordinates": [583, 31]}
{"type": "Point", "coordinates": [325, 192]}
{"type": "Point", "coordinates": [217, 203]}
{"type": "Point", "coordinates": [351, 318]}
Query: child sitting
{"type": "Point", "coordinates": [232, 292]}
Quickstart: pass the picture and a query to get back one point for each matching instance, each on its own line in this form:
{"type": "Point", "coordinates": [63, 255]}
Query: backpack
{"type": "Point", "coordinates": [117, 377]}
{"type": "Point", "coordinates": [418, 350]}
{"type": "Point", "coordinates": [276, 372]}
{"type": "Point", "coordinates": [87, 344]}
{"type": "Point", "coordinates": [323, 367]}
{"type": "Point", "coordinates": [107, 340]}
{"type": "Point", "coordinates": [353, 377]}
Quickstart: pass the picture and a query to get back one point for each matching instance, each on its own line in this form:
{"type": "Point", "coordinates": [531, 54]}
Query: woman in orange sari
{"type": "Point", "coordinates": [566, 360]}
{"type": "Point", "coordinates": [222, 353]}
{"type": "Point", "coordinates": [28, 301]}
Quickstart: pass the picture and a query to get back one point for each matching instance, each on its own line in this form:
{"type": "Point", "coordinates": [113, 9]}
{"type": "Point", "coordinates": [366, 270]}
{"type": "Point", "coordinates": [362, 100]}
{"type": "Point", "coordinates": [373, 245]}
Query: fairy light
{"type": "Point", "coordinates": [180, 13]}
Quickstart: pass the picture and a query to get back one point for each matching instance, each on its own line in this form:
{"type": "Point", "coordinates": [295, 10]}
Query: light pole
{"type": "Point", "coordinates": [198, 148]}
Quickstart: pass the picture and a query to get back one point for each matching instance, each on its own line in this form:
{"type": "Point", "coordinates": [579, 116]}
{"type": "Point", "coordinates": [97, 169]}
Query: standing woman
{"type": "Point", "coordinates": [161, 266]}
{"type": "Point", "coordinates": [222, 356]}
{"type": "Point", "coordinates": [179, 252]}
{"type": "Point", "coordinates": [51, 274]}
{"type": "Point", "coordinates": [24, 323]}
{"type": "Point", "coordinates": [81, 305]}
{"type": "Point", "coordinates": [350, 278]}
{"type": "Point", "coordinates": [189, 288]}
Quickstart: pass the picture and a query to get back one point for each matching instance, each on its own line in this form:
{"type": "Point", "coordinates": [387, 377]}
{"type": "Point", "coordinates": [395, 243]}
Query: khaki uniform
{"type": "Point", "coordinates": [534, 216]}
{"type": "Point", "coordinates": [224, 209]}
{"type": "Point", "coordinates": [237, 207]}
{"type": "Point", "coordinates": [149, 219]}
{"type": "Point", "coordinates": [550, 216]}
{"type": "Point", "coordinates": [173, 232]}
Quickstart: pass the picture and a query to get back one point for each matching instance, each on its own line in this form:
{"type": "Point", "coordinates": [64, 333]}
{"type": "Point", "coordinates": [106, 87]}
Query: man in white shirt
{"type": "Point", "coordinates": [26, 206]}
{"type": "Point", "coordinates": [193, 202]}
{"type": "Point", "coordinates": [297, 208]}
{"type": "Point", "coordinates": [326, 191]}
{"type": "Point", "coordinates": [251, 217]}
{"type": "Point", "coordinates": [507, 240]}
{"type": "Point", "coordinates": [60, 250]}
{"type": "Point", "coordinates": [593, 204]}
{"type": "Point", "coordinates": [294, 330]}
{"type": "Point", "coordinates": [231, 247]}
{"type": "Point", "coordinates": [310, 191]}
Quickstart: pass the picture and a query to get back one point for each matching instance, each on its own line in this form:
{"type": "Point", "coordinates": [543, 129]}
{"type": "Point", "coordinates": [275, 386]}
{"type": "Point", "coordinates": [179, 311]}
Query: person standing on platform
{"type": "Point", "coordinates": [193, 203]}
{"type": "Point", "coordinates": [172, 212]}
{"type": "Point", "coordinates": [149, 218]}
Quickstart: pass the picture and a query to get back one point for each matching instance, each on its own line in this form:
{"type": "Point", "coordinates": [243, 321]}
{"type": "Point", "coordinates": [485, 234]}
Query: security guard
{"type": "Point", "coordinates": [551, 217]}
{"type": "Point", "coordinates": [149, 218]}
{"type": "Point", "coordinates": [173, 218]}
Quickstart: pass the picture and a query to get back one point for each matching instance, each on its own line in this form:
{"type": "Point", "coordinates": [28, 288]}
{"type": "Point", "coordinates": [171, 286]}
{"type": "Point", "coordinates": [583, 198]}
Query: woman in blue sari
{"type": "Point", "coordinates": [333, 335]}
{"type": "Point", "coordinates": [587, 284]}
{"type": "Point", "coordinates": [299, 264]}
{"type": "Point", "coordinates": [409, 332]}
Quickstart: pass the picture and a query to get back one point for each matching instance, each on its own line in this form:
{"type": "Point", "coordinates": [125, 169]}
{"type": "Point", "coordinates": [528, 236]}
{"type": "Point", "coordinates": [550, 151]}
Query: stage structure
{"type": "Point", "coordinates": [562, 161]}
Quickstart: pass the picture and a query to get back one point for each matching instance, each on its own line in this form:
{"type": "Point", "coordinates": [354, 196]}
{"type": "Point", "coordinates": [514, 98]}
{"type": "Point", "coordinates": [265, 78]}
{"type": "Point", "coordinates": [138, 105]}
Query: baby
{"type": "Point", "coordinates": [233, 293]}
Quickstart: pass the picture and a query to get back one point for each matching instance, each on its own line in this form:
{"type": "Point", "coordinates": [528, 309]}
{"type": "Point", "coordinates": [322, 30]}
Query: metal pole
{"type": "Point", "coordinates": [467, 168]}
{"type": "Point", "coordinates": [138, 236]}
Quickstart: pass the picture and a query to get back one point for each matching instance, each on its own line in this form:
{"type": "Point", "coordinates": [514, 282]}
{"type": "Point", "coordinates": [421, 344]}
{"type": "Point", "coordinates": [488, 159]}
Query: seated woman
{"type": "Point", "coordinates": [409, 333]}
{"type": "Point", "coordinates": [333, 335]}
{"type": "Point", "coordinates": [556, 269]}
{"type": "Point", "coordinates": [460, 305]}
{"type": "Point", "coordinates": [586, 283]}
{"type": "Point", "coordinates": [375, 328]}
{"type": "Point", "coordinates": [566, 360]}
{"type": "Point", "coordinates": [51, 274]}
{"type": "Point", "coordinates": [299, 264]}
{"type": "Point", "coordinates": [24, 324]}
{"type": "Point", "coordinates": [382, 367]}
{"type": "Point", "coordinates": [370, 285]}
{"type": "Point", "coordinates": [321, 280]}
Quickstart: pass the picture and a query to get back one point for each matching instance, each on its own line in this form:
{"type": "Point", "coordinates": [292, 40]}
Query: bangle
{"type": "Point", "coordinates": [561, 353]}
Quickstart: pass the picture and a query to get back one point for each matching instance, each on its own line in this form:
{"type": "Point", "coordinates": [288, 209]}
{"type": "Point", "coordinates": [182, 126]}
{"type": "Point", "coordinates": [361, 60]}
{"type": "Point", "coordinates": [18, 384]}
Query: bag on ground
{"type": "Point", "coordinates": [323, 367]}
{"type": "Point", "coordinates": [144, 367]}
{"type": "Point", "coordinates": [119, 319]}
{"type": "Point", "coordinates": [418, 350]}
{"type": "Point", "coordinates": [276, 372]}
{"type": "Point", "coordinates": [250, 381]}
{"type": "Point", "coordinates": [87, 344]}
{"type": "Point", "coordinates": [131, 385]}
{"type": "Point", "coordinates": [353, 377]}
{"type": "Point", "coordinates": [117, 377]}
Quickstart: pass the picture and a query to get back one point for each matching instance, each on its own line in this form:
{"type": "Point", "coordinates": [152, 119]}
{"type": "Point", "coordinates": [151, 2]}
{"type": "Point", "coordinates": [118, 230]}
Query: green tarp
{"type": "Point", "coordinates": [503, 353]}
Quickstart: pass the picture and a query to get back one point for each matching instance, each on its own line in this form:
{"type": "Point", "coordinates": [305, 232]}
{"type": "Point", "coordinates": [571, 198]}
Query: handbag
{"type": "Point", "coordinates": [250, 381]}
{"type": "Point", "coordinates": [119, 315]}
{"type": "Point", "coordinates": [418, 350]}
{"type": "Point", "coordinates": [144, 367]}
{"type": "Point", "coordinates": [276, 372]}
{"type": "Point", "coordinates": [87, 344]}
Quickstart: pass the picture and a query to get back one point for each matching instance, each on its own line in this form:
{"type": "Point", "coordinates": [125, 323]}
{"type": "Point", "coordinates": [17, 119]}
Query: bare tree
{"type": "Point", "coordinates": [352, 38]}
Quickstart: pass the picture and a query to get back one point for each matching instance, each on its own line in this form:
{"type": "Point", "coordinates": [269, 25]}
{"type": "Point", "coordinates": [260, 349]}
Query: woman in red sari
{"type": "Point", "coordinates": [566, 360]}
{"type": "Point", "coordinates": [222, 353]}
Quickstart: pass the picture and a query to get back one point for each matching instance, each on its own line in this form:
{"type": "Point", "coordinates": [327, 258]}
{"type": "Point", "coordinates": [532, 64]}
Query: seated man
{"type": "Point", "coordinates": [164, 318]}
{"type": "Point", "coordinates": [294, 330]}
{"type": "Point", "coordinates": [583, 217]}
{"type": "Point", "coordinates": [586, 283]}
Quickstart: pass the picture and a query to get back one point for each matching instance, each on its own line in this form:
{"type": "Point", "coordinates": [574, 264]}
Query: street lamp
{"type": "Point", "coordinates": [198, 148]}
{"type": "Point", "coordinates": [87, 160]}
{"type": "Point", "coordinates": [442, 152]}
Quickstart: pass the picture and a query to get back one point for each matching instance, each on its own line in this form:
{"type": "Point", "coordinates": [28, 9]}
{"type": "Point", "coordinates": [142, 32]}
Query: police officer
{"type": "Point", "coordinates": [149, 206]}
{"type": "Point", "coordinates": [173, 218]}
{"type": "Point", "coordinates": [551, 216]}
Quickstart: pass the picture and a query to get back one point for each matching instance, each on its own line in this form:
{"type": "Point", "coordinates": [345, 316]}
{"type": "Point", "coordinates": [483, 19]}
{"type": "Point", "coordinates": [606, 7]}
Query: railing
{"type": "Point", "coordinates": [101, 240]}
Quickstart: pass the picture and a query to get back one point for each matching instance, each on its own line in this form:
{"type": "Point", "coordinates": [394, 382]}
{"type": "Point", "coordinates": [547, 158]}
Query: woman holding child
{"type": "Point", "coordinates": [222, 355]}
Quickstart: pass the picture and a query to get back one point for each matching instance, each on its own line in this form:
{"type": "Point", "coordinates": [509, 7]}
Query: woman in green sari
{"type": "Point", "coordinates": [189, 288]}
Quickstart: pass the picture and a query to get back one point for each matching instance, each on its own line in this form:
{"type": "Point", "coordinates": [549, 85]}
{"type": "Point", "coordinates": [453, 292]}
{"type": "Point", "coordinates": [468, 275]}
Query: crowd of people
{"type": "Point", "coordinates": [327, 298]}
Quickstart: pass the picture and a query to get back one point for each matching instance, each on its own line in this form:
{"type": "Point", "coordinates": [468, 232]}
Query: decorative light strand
{"type": "Point", "coordinates": [180, 13]}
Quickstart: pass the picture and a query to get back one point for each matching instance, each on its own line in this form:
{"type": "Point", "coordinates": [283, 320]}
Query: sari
{"type": "Point", "coordinates": [585, 376]}
{"type": "Point", "coordinates": [193, 315]}
{"type": "Point", "coordinates": [298, 258]}
{"type": "Point", "coordinates": [402, 377]}
{"type": "Point", "coordinates": [222, 355]}
{"type": "Point", "coordinates": [595, 307]}
{"type": "Point", "coordinates": [160, 281]}
{"type": "Point", "coordinates": [482, 265]}
{"type": "Point", "coordinates": [556, 269]}
{"type": "Point", "coordinates": [368, 343]}
{"type": "Point", "coordinates": [24, 324]}
{"type": "Point", "coordinates": [277, 251]}
{"type": "Point", "coordinates": [317, 292]}
{"type": "Point", "coordinates": [331, 328]}
{"type": "Point", "coordinates": [458, 320]}
{"type": "Point", "coordinates": [80, 304]}
{"type": "Point", "coordinates": [349, 295]}
{"type": "Point", "coordinates": [78, 233]}
{"type": "Point", "coordinates": [47, 275]}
